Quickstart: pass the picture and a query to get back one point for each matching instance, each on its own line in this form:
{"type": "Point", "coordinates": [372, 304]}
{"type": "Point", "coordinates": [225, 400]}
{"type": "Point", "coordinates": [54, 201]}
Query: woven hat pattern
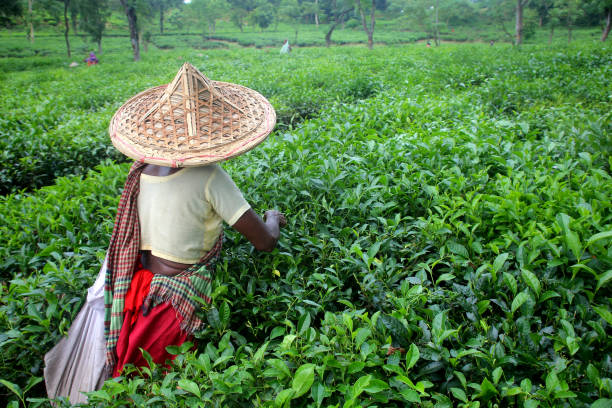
{"type": "Point", "coordinates": [192, 121]}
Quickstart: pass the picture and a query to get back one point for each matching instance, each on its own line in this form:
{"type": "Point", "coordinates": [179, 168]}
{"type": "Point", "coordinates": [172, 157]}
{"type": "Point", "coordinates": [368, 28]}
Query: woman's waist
{"type": "Point", "coordinates": [162, 266]}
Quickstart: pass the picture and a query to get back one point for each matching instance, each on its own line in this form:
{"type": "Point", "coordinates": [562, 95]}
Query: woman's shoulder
{"type": "Point", "coordinates": [206, 175]}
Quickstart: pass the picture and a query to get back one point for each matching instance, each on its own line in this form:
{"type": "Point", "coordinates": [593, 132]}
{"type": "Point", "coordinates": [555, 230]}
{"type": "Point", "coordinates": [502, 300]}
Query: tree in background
{"type": "Point", "coordinates": [263, 15]}
{"type": "Point", "coordinates": [30, 21]}
{"type": "Point", "coordinates": [520, 5]}
{"type": "Point", "coordinates": [498, 12]}
{"type": "Point", "coordinates": [74, 15]}
{"type": "Point", "coordinates": [163, 6]}
{"type": "Point", "coordinates": [240, 11]}
{"type": "Point", "coordinates": [363, 7]}
{"type": "Point", "coordinates": [130, 7]}
{"type": "Point", "coordinates": [291, 11]}
{"type": "Point", "coordinates": [542, 7]}
{"type": "Point", "coordinates": [605, 6]}
{"type": "Point", "coordinates": [9, 9]}
{"type": "Point", "coordinates": [554, 20]}
{"type": "Point", "coordinates": [424, 14]}
{"type": "Point", "coordinates": [209, 11]}
{"type": "Point", "coordinates": [66, 4]}
{"type": "Point", "coordinates": [454, 13]}
{"type": "Point", "coordinates": [337, 12]}
{"type": "Point", "coordinates": [311, 11]}
{"type": "Point", "coordinates": [569, 12]}
{"type": "Point", "coordinates": [436, 23]}
{"type": "Point", "coordinates": [42, 11]}
{"type": "Point", "coordinates": [94, 14]}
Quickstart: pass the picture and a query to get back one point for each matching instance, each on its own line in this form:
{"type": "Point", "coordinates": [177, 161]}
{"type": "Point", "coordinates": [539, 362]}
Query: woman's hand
{"type": "Point", "coordinates": [280, 217]}
{"type": "Point", "coordinates": [262, 234]}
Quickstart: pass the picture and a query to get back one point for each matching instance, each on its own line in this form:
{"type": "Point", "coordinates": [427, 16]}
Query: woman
{"type": "Point", "coordinates": [168, 231]}
{"type": "Point", "coordinates": [92, 59]}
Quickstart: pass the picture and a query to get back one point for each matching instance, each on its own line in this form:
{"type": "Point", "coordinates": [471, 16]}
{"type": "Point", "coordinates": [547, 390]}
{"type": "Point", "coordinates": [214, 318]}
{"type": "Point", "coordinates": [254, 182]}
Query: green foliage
{"type": "Point", "coordinates": [448, 241]}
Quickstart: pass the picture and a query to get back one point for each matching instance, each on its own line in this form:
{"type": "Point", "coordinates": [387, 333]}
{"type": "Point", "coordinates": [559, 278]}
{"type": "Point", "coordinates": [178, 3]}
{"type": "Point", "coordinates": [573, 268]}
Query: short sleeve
{"type": "Point", "coordinates": [225, 197]}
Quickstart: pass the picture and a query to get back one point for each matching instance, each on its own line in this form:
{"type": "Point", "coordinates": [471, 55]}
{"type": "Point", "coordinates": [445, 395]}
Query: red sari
{"type": "Point", "coordinates": [154, 332]}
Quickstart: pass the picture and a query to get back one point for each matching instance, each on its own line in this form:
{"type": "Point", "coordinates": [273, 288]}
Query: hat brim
{"type": "Point", "coordinates": [131, 141]}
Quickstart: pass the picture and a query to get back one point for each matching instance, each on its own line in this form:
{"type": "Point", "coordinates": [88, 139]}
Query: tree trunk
{"type": "Point", "coordinates": [606, 30]}
{"type": "Point", "coordinates": [437, 40]}
{"type": "Point", "coordinates": [552, 32]}
{"type": "Point", "coordinates": [161, 17]}
{"type": "Point", "coordinates": [329, 33]}
{"type": "Point", "coordinates": [67, 26]}
{"type": "Point", "coordinates": [130, 12]}
{"type": "Point", "coordinates": [316, 16]}
{"type": "Point", "coordinates": [339, 20]}
{"type": "Point", "coordinates": [31, 23]}
{"type": "Point", "coordinates": [519, 22]}
{"type": "Point", "coordinates": [372, 23]}
{"type": "Point", "coordinates": [369, 30]}
{"type": "Point", "coordinates": [506, 31]}
{"type": "Point", "coordinates": [74, 15]}
{"type": "Point", "coordinates": [100, 46]}
{"type": "Point", "coordinates": [569, 27]}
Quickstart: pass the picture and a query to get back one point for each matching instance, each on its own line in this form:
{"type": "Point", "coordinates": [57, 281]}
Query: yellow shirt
{"type": "Point", "coordinates": [182, 215]}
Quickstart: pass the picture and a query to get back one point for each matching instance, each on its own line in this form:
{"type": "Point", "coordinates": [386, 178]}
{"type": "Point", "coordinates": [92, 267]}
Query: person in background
{"type": "Point", "coordinates": [286, 48]}
{"type": "Point", "coordinates": [168, 231]}
{"type": "Point", "coordinates": [92, 59]}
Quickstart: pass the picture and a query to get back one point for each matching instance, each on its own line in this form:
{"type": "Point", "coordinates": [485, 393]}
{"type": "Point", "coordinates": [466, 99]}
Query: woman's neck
{"type": "Point", "coordinates": [159, 171]}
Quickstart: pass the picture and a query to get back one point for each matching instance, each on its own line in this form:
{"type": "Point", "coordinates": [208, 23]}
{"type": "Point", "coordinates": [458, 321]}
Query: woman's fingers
{"type": "Point", "coordinates": [282, 220]}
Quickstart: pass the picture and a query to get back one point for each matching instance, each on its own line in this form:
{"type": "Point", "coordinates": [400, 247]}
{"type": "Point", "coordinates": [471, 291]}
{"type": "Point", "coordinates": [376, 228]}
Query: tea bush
{"type": "Point", "coordinates": [448, 244]}
{"type": "Point", "coordinates": [57, 124]}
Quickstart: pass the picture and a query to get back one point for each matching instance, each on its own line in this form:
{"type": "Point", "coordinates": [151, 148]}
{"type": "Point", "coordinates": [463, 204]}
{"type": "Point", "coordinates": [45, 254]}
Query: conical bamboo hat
{"type": "Point", "coordinates": [192, 121]}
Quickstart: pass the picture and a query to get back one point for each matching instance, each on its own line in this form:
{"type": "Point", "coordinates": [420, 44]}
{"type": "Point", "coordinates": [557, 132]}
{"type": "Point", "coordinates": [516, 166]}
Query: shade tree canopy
{"type": "Point", "coordinates": [517, 19]}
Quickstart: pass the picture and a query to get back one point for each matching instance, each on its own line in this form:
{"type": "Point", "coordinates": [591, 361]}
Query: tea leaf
{"type": "Point", "coordinates": [15, 389]}
{"type": "Point", "coordinates": [302, 380]}
{"type": "Point", "coordinates": [531, 280]}
{"type": "Point", "coordinates": [519, 300]}
{"type": "Point", "coordinates": [510, 281]}
{"type": "Point", "coordinates": [602, 403]}
{"type": "Point", "coordinates": [499, 262]}
{"type": "Point", "coordinates": [259, 354]}
{"type": "Point", "coordinates": [445, 277]}
{"type": "Point", "coordinates": [283, 397]}
{"type": "Point", "coordinates": [459, 394]}
{"type": "Point", "coordinates": [552, 382]}
{"type": "Point", "coordinates": [412, 356]}
{"type": "Point", "coordinates": [573, 242]}
{"type": "Point", "coordinates": [361, 335]}
{"type": "Point", "coordinates": [375, 386]}
{"type": "Point", "coordinates": [190, 386]}
{"type": "Point", "coordinates": [604, 313]}
{"type": "Point", "coordinates": [599, 236]}
{"type": "Point", "coordinates": [603, 279]}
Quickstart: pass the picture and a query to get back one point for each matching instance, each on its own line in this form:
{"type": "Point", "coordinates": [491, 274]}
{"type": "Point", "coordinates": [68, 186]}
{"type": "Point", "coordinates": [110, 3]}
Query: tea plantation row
{"type": "Point", "coordinates": [57, 123]}
{"type": "Point", "coordinates": [448, 244]}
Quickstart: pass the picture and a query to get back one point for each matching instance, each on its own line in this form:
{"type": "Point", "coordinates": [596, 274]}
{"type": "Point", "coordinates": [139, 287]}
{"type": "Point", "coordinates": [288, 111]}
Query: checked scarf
{"type": "Point", "coordinates": [182, 290]}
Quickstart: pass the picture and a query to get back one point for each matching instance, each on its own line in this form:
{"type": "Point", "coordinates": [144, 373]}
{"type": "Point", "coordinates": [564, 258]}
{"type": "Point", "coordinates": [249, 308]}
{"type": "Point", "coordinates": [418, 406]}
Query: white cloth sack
{"type": "Point", "coordinates": [76, 363]}
{"type": "Point", "coordinates": [286, 48]}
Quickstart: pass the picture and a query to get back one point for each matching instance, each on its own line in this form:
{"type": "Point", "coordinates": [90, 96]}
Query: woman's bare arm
{"type": "Point", "coordinates": [263, 234]}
